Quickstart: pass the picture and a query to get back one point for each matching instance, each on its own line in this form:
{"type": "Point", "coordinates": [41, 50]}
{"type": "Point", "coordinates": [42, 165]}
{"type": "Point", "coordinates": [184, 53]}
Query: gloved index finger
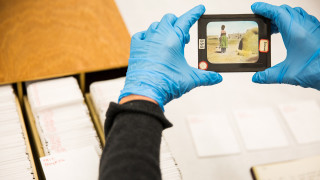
{"type": "Point", "coordinates": [266, 10]}
{"type": "Point", "coordinates": [280, 18]}
{"type": "Point", "coordinates": [185, 21]}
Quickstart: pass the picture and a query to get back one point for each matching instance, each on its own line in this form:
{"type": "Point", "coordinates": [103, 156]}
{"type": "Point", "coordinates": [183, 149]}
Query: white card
{"type": "Point", "coordinates": [104, 92]}
{"type": "Point", "coordinates": [213, 135]}
{"type": "Point", "coordinates": [303, 119]}
{"type": "Point", "coordinates": [260, 128]}
{"type": "Point", "coordinates": [54, 93]}
{"type": "Point", "coordinates": [80, 164]}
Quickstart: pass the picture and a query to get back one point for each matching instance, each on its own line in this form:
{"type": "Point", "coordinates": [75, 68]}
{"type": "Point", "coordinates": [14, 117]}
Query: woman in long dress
{"type": "Point", "coordinates": [223, 39]}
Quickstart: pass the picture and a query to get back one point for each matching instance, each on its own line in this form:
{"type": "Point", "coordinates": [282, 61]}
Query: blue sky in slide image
{"type": "Point", "coordinates": [214, 28]}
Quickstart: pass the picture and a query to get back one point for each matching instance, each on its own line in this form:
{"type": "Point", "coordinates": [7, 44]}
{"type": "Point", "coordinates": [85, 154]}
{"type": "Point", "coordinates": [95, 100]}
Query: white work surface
{"type": "Point", "coordinates": [236, 91]}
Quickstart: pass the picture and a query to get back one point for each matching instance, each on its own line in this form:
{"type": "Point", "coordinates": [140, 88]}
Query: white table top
{"type": "Point", "coordinates": [236, 91]}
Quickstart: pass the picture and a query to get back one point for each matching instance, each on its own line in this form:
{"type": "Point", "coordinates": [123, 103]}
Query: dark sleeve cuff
{"type": "Point", "coordinates": [136, 106]}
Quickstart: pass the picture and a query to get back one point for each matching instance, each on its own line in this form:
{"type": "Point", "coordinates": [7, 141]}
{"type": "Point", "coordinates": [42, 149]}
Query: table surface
{"type": "Point", "coordinates": [236, 91]}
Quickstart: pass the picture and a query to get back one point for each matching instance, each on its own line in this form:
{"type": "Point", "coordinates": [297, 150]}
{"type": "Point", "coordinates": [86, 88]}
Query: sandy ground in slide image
{"type": "Point", "coordinates": [231, 55]}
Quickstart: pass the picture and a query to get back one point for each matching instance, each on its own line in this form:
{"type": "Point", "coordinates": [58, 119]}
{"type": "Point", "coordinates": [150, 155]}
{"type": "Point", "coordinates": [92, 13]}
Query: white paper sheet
{"type": "Point", "coordinates": [79, 164]}
{"type": "Point", "coordinates": [213, 135]}
{"type": "Point", "coordinates": [303, 119]}
{"type": "Point", "coordinates": [260, 128]}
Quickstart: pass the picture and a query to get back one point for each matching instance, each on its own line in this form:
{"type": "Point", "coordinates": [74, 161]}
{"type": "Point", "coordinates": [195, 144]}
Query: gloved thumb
{"type": "Point", "coordinates": [206, 78]}
{"type": "Point", "coordinates": [269, 76]}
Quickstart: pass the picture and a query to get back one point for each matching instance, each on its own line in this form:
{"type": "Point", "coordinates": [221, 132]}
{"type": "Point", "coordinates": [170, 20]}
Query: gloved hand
{"type": "Point", "coordinates": [157, 67]}
{"type": "Point", "coordinates": [301, 36]}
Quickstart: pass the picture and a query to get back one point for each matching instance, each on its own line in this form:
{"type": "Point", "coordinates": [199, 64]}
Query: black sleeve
{"type": "Point", "coordinates": [133, 136]}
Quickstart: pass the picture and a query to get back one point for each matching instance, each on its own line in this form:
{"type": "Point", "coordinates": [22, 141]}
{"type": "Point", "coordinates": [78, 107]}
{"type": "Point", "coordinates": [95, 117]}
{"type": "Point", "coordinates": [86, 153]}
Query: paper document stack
{"type": "Point", "coordinates": [62, 118]}
{"type": "Point", "coordinates": [14, 158]}
{"type": "Point", "coordinates": [168, 165]}
{"type": "Point", "coordinates": [104, 92]}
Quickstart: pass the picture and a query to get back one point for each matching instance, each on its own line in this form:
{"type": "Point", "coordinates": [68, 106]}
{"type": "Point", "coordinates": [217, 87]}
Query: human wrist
{"type": "Point", "coordinates": [143, 88]}
{"type": "Point", "coordinates": [133, 97]}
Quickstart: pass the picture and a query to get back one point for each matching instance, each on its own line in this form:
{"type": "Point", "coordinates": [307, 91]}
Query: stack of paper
{"type": "Point", "coordinates": [104, 92]}
{"type": "Point", "coordinates": [62, 118]}
{"type": "Point", "coordinates": [14, 159]}
{"type": "Point", "coordinates": [168, 165]}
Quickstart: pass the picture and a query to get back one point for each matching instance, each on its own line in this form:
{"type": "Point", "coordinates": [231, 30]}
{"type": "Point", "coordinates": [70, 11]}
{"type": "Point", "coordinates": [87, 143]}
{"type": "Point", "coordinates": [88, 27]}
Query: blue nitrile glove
{"type": "Point", "coordinates": [157, 67]}
{"type": "Point", "coordinates": [301, 36]}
